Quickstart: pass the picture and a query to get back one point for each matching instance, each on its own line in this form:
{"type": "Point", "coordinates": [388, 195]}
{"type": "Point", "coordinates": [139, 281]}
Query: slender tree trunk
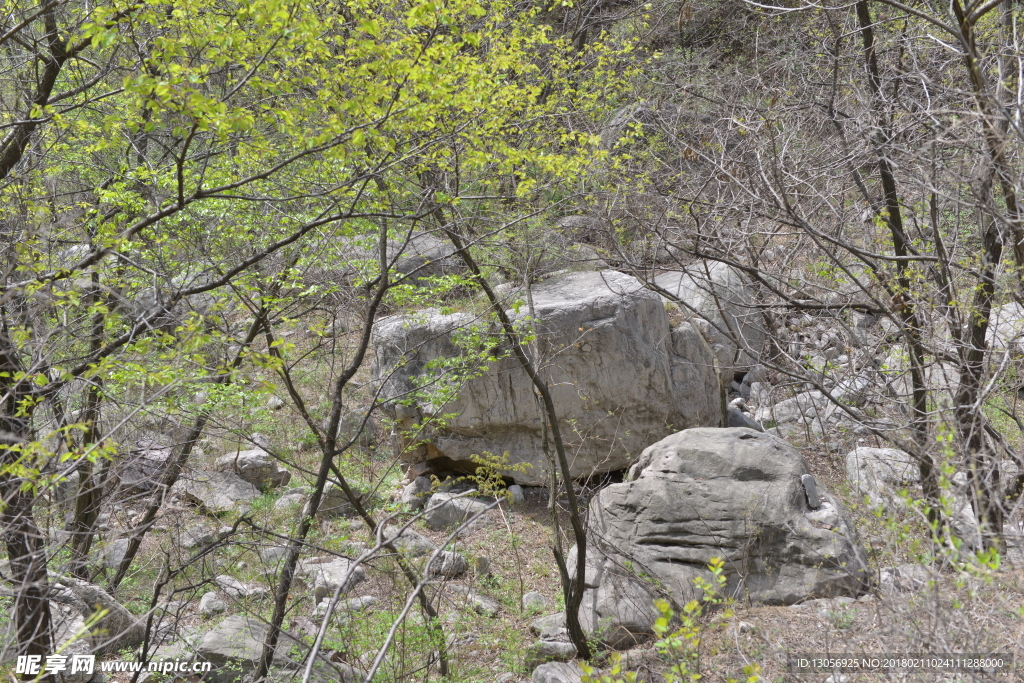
{"type": "Point", "coordinates": [26, 548]}
{"type": "Point", "coordinates": [90, 482]}
{"type": "Point", "coordinates": [904, 301]}
{"type": "Point", "coordinates": [983, 472]}
{"type": "Point", "coordinates": [572, 586]}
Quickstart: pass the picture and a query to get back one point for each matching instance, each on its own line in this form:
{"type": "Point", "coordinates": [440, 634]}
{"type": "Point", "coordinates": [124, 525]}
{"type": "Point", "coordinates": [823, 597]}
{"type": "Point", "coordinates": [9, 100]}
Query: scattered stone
{"type": "Point", "coordinates": [236, 589]}
{"type": "Point", "coordinates": [557, 672]}
{"type": "Point", "coordinates": [550, 627]}
{"type": "Point", "coordinates": [275, 403]}
{"type": "Point", "coordinates": [549, 651]}
{"type": "Point", "coordinates": [336, 504]}
{"type": "Point", "coordinates": [879, 474]}
{"type": "Point", "coordinates": [196, 536]}
{"type": "Point", "coordinates": [534, 602]}
{"type": "Point", "coordinates": [416, 493]}
{"type": "Point", "coordinates": [210, 605]}
{"type": "Point", "coordinates": [481, 604]}
{"type": "Point", "coordinates": [330, 572]}
{"type": "Point", "coordinates": [517, 493]}
{"type": "Point", "coordinates": [906, 578]}
{"type": "Point", "coordinates": [448, 565]}
{"type": "Point", "coordinates": [482, 566]}
{"type": "Point", "coordinates": [114, 552]}
{"type": "Point", "coordinates": [447, 510]}
{"type": "Point", "coordinates": [411, 543]}
{"type": "Point", "coordinates": [255, 466]}
{"type": "Point", "coordinates": [274, 554]}
{"type": "Point", "coordinates": [217, 492]}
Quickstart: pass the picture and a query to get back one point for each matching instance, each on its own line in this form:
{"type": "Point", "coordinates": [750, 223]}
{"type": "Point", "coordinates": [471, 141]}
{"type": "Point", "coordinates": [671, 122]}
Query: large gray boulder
{"type": "Point", "coordinates": [718, 296]}
{"type": "Point", "coordinates": [619, 375]}
{"type": "Point", "coordinates": [735, 494]}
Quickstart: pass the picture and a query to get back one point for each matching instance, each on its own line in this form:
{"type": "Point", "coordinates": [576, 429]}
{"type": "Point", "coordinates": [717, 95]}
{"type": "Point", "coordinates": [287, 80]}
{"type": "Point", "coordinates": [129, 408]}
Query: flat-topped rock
{"type": "Point", "coordinates": [620, 374]}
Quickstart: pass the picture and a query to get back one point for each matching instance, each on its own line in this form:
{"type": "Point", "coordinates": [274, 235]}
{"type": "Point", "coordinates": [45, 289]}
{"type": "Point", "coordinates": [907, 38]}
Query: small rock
{"type": "Point", "coordinates": [236, 588]}
{"type": "Point", "coordinates": [517, 493]}
{"type": "Point", "coordinates": [416, 493]}
{"type": "Point", "coordinates": [740, 419]}
{"type": "Point", "coordinates": [411, 543]}
{"type": "Point", "coordinates": [114, 552]}
{"type": "Point", "coordinates": [482, 566]}
{"type": "Point", "coordinates": [811, 491]}
{"type": "Point", "coordinates": [290, 500]}
{"type": "Point", "coordinates": [534, 601]}
{"type": "Point", "coordinates": [275, 403]}
{"type": "Point", "coordinates": [345, 606]}
{"type": "Point", "coordinates": [274, 553]}
{"type": "Point", "coordinates": [255, 466]}
{"type": "Point", "coordinates": [260, 441]}
{"type": "Point", "coordinates": [481, 604]}
{"type": "Point", "coordinates": [549, 651]}
{"type": "Point", "coordinates": [446, 510]}
{"type": "Point", "coordinates": [549, 627]}
{"type": "Point", "coordinates": [448, 565]}
{"type": "Point", "coordinates": [336, 504]}
{"type": "Point", "coordinates": [210, 605]}
{"type": "Point", "coordinates": [327, 576]}
{"type": "Point", "coordinates": [557, 672]}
